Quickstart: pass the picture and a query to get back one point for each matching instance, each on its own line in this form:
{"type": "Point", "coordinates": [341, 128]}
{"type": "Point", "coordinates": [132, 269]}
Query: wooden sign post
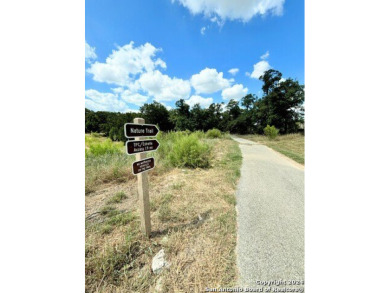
{"type": "Point", "coordinates": [143, 189]}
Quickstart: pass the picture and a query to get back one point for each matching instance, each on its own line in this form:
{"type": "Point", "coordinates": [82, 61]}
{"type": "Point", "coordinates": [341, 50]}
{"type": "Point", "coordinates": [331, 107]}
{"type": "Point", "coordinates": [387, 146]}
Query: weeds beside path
{"type": "Point", "coordinates": [193, 218]}
{"type": "Point", "coordinates": [290, 145]}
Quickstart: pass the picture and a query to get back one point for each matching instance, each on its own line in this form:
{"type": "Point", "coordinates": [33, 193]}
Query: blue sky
{"type": "Point", "coordinates": [203, 51]}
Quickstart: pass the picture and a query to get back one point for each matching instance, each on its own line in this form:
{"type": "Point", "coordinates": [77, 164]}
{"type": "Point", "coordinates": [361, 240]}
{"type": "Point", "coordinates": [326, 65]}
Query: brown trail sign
{"type": "Point", "coordinates": [137, 130]}
{"type": "Point", "coordinates": [143, 165]}
{"type": "Point", "coordinates": [141, 146]}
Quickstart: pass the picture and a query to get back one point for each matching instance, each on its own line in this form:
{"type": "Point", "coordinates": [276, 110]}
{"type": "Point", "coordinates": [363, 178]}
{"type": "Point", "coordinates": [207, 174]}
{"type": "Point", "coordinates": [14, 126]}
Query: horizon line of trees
{"type": "Point", "coordinates": [280, 106]}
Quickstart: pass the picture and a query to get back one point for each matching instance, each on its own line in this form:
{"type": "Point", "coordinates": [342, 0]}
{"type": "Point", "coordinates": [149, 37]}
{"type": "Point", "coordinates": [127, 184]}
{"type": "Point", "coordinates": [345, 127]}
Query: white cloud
{"type": "Point", "coordinates": [265, 55]}
{"type": "Point", "coordinates": [134, 98]}
{"type": "Point", "coordinates": [233, 71]}
{"type": "Point", "coordinates": [259, 68]}
{"type": "Point", "coordinates": [209, 81]}
{"type": "Point", "coordinates": [126, 60]}
{"type": "Point", "coordinates": [244, 10]}
{"type": "Point", "coordinates": [220, 22]}
{"type": "Point", "coordinates": [235, 92]}
{"type": "Point", "coordinates": [164, 88]}
{"type": "Point", "coordinates": [131, 111]}
{"type": "Point", "coordinates": [160, 63]}
{"type": "Point", "coordinates": [203, 102]}
{"type": "Point", "coordinates": [98, 101]}
{"type": "Point", "coordinates": [118, 90]}
{"type": "Point", "coordinates": [203, 30]}
{"type": "Point", "coordinates": [89, 52]}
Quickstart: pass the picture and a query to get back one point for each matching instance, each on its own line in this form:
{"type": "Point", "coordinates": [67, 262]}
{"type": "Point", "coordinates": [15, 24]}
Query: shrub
{"type": "Point", "coordinates": [213, 133]}
{"type": "Point", "coordinates": [188, 151]}
{"type": "Point", "coordinates": [97, 147]}
{"type": "Point", "coordinates": [199, 134]}
{"type": "Point", "coordinates": [271, 132]}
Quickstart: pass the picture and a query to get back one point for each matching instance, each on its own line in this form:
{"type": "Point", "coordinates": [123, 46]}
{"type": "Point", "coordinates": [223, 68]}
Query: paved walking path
{"type": "Point", "coordinates": [270, 205]}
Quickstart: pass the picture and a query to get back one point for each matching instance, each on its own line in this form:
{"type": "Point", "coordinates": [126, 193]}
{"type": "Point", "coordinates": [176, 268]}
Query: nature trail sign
{"type": "Point", "coordinates": [137, 130]}
{"type": "Point", "coordinates": [139, 147]}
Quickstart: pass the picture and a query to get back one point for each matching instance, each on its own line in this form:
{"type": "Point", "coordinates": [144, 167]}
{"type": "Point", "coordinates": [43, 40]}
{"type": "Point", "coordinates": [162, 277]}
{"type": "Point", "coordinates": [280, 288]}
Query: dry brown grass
{"type": "Point", "coordinates": [193, 219]}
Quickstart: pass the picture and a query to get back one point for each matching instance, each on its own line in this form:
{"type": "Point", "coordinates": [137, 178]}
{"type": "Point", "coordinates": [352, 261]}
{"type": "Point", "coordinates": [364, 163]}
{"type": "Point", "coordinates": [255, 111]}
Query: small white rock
{"type": "Point", "coordinates": [158, 262]}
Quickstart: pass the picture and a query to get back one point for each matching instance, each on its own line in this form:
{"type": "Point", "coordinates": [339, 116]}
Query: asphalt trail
{"type": "Point", "coordinates": [270, 206]}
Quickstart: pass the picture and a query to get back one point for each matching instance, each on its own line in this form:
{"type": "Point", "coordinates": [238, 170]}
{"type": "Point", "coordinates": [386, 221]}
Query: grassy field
{"type": "Point", "coordinates": [192, 211]}
{"type": "Point", "coordinates": [290, 145]}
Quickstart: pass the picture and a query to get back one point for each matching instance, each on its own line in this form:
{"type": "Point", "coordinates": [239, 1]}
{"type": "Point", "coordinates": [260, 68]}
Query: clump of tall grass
{"type": "Point", "coordinates": [106, 168]}
{"type": "Point", "coordinates": [184, 149]}
{"type": "Point", "coordinates": [189, 151]}
{"type": "Point", "coordinates": [271, 132]}
{"type": "Point", "coordinates": [214, 133]}
{"type": "Point", "coordinates": [97, 147]}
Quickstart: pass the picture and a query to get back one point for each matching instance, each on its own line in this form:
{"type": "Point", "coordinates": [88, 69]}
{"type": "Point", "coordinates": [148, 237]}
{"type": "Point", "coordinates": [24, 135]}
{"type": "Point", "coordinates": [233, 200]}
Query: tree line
{"type": "Point", "coordinates": [280, 106]}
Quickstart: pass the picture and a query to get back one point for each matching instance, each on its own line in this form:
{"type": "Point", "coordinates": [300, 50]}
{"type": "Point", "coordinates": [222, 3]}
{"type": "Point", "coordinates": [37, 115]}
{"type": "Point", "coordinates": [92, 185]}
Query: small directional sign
{"type": "Point", "coordinates": [137, 130]}
{"type": "Point", "coordinates": [143, 165]}
{"type": "Point", "coordinates": [141, 146]}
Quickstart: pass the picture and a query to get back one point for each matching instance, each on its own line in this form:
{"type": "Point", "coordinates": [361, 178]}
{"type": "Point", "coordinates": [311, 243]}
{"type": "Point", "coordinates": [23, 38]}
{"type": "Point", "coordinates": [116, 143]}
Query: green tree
{"type": "Point", "coordinates": [214, 117]}
{"type": "Point", "coordinates": [156, 113]}
{"type": "Point", "coordinates": [198, 117]}
{"type": "Point", "coordinates": [281, 104]}
{"type": "Point", "coordinates": [91, 121]}
{"type": "Point", "coordinates": [181, 116]}
{"type": "Point", "coordinates": [233, 109]}
{"type": "Point", "coordinates": [270, 79]}
{"type": "Point", "coordinates": [248, 101]}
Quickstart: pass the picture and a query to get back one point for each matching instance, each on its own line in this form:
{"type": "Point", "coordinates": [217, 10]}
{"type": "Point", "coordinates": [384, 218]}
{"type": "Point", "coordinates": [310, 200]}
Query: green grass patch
{"type": "Point", "coordinates": [231, 162]}
{"type": "Point", "coordinates": [109, 211]}
{"type": "Point", "coordinates": [97, 146]}
{"type": "Point", "coordinates": [229, 198]}
{"type": "Point", "coordinates": [290, 145]}
{"type": "Point", "coordinates": [106, 229]}
{"type": "Point", "coordinates": [117, 198]}
{"type": "Point", "coordinates": [121, 219]}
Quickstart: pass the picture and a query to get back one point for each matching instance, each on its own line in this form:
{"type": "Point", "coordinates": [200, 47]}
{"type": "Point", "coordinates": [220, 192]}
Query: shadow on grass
{"type": "Point", "coordinates": [196, 222]}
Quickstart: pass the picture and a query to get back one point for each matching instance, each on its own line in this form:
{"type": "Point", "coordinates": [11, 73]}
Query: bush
{"type": "Point", "coordinates": [97, 147]}
{"type": "Point", "coordinates": [271, 132]}
{"type": "Point", "coordinates": [213, 133]}
{"type": "Point", "coordinates": [199, 134]}
{"type": "Point", "coordinates": [188, 151]}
